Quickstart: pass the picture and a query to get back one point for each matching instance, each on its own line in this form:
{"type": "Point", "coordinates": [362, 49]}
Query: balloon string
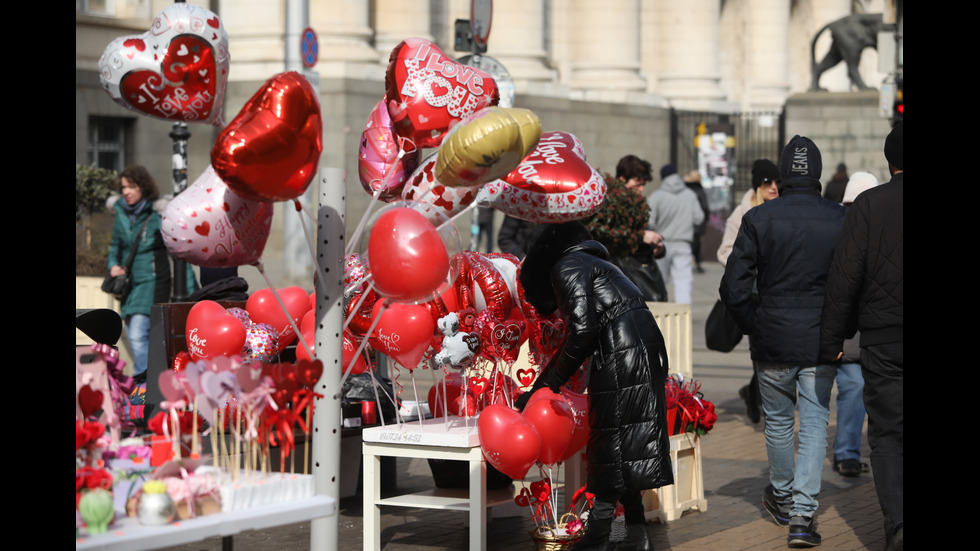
{"type": "Point", "coordinates": [350, 288]}
{"type": "Point", "coordinates": [435, 385]}
{"type": "Point", "coordinates": [360, 348]}
{"type": "Point", "coordinates": [292, 322]}
{"type": "Point", "coordinates": [418, 404]}
{"type": "Point", "coordinates": [308, 234]}
{"type": "Point", "coordinates": [360, 225]}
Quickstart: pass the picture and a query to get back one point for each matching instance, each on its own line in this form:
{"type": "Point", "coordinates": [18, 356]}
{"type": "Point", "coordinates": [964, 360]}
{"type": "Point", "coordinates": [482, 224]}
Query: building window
{"type": "Point", "coordinates": [107, 141]}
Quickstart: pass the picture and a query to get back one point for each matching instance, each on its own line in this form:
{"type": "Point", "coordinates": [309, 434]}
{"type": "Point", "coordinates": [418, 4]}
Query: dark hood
{"type": "Point", "coordinates": [551, 243]}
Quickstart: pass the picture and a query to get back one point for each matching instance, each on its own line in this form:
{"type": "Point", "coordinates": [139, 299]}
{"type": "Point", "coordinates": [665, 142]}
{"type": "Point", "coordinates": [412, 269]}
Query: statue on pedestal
{"type": "Point", "coordinates": [850, 35]}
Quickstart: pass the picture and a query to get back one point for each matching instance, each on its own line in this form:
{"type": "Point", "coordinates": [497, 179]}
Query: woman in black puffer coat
{"type": "Point", "coordinates": [608, 322]}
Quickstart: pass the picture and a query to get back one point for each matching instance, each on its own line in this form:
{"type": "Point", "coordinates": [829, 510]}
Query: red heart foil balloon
{"type": "Point", "coordinates": [210, 225]}
{"type": "Point", "coordinates": [262, 307]}
{"type": "Point", "coordinates": [350, 345]}
{"type": "Point", "coordinates": [428, 92]}
{"type": "Point", "coordinates": [176, 71]}
{"type": "Point", "coordinates": [552, 184]}
{"type": "Point", "coordinates": [271, 150]}
{"type": "Point", "coordinates": [382, 164]}
{"type": "Point", "coordinates": [213, 332]}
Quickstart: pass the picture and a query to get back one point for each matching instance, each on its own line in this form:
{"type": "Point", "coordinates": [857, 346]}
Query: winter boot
{"type": "Point", "coordinates": [637, 539]}
{"type": "Point", "coordinates": [597, 529]}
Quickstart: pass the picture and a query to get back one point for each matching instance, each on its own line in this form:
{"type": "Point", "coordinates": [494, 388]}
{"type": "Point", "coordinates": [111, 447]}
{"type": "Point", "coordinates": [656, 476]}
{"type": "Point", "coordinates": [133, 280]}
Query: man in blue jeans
{"type": "Point", "coordinates": [783, 249]}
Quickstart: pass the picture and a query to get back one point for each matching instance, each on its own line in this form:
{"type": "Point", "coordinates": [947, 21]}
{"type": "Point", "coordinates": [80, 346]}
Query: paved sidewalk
{"type": "Point", "coordinates": [734, 467]}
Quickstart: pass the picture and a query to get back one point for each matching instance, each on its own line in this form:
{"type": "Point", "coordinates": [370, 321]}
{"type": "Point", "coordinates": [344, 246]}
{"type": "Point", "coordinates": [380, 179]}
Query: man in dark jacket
{"type": "Point", "coordinates": [865, 291]}
{"type": "Point", "coordinates": [609, 325]}
{"type": "Point", "coordinates": [783, 249]}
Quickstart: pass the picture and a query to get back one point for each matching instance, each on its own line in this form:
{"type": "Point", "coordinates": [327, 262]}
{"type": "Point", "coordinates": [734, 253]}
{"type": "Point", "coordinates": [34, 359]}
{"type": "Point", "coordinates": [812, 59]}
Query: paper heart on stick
{"type": "Point", "coordinates": [552, 184]}
{"type": "Point", "coordinates": [526, 376]}
{"type": "Point", "coordinates": [209, 225]}
{"type": "Point", "coordinates": [171, 386]}
{"type": "Point", "coordinates": [175, 71]}
{"type": "Point", "coordinates": [428, 92]}
{"type": "Point", "coordinates": [271, 150]}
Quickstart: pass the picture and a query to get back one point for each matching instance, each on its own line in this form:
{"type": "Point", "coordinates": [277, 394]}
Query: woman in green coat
{"type": "Point", "coordinates": [141, 202]}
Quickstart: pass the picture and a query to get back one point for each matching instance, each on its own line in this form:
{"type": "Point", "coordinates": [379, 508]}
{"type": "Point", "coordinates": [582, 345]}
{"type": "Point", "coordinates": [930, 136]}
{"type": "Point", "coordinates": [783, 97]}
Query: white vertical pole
{"type": "Point", "coordinates": [329, 289]}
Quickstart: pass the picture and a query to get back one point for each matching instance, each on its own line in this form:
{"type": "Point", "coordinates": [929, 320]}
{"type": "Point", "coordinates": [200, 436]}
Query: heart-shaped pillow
{"type": "Point", "coordinates": [552, 184]}
{"type": "Point", "coordinates": [175, 71]}
{"type": "Point", "coordinates": [428, 92]}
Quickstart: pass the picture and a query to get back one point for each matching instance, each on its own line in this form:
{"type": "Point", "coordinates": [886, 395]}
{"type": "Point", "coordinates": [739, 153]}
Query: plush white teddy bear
{"type": "Point", "coordinates": [458, 348]}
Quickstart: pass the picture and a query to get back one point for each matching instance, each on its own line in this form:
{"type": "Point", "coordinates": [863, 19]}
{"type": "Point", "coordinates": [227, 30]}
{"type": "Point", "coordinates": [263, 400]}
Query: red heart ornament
{"type": "Point", "coordinates": [271, 150]}
{"type": "Point", "coordinates": [526, 376]}
{"type": "Point", "coordinates": [213, 332]}
{"type": "Point", "coordinates": [478, 385]}
{"type": "Point", "coordinates": [175, 71]}
{"type": "Point", "coordinates": [552, 184]}
{"type": "Point", "coordinates": [428, 92]}
{"type": "Point", "coordinates": [89, 400]}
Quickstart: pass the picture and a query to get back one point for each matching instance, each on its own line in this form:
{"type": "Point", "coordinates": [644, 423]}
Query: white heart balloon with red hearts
{"type": "Point", "coordinates": [175, 71]}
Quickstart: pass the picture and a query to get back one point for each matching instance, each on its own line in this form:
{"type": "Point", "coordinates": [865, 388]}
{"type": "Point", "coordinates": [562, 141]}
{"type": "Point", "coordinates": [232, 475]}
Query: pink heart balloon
{"type": "Point", "coordinates": [210, 225]}
{"type": "Point", "coordinates": [552, 184]}
{"type": "Point", "coordinates": [382, 164]}
{"type": "Point", "coordinates": [176, 71]}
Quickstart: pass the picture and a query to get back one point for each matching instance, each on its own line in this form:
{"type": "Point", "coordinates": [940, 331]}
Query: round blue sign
{"type": "Point", "coordinates": [309, 48]}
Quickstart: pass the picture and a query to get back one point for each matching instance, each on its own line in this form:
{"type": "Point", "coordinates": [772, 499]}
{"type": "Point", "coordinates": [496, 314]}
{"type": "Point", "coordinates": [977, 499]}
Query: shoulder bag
{"type": "Point", "coordinates": [721, 331]}
{"type": "Point", "coordinates": [119, 286]}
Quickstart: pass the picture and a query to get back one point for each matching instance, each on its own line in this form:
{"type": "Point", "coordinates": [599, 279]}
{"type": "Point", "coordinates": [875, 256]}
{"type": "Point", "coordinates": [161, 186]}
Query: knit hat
{"type": "Point", "coordinates": [762, 169]}
{"type": "Point", "coordinates": [893, 147]}
{"type": "Point", "coordinates": [860, 181]}
{"type": "Point", "coordinates": [667, 170]}
{"type": "Point", "coordinates": [800, 159]}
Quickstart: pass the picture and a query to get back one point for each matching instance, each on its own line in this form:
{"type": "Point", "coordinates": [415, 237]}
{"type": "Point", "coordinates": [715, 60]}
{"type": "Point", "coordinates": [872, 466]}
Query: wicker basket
{"type": "Point", "coordinates": [547, 538]}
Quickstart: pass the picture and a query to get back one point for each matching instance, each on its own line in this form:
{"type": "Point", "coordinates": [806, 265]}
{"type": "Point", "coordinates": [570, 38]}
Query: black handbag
{"type": "Point", "coordinates": [646, 276]}
{"type": "Point", "coordinates": [119, 286]}
{"type": "Point", "coordinates": [721, 331]}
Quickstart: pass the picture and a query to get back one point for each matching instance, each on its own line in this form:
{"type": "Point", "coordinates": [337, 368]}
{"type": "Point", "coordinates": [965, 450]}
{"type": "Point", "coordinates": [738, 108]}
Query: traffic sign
{"type": "Point", "coordinates": [481, 15]}
{"type": "Point", "coordinates": [309, 48]}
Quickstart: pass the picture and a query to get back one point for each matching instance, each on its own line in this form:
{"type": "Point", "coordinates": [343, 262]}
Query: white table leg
{"type": "Point", "coordinates": [478, 500]}
{"type": "Point", "coordinates": [372, 493]}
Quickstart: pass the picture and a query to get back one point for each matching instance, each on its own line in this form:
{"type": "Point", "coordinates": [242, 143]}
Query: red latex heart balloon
{"type": "Point", "coordinates": [176, 71]}
{"type": "Point", "coordinates": [403, 332]}
{"type": "Point", "coordinates": [452, 387]}
{"type": "Point", "coordinates": [271, 150]}
{"type": "Point", "coordinates": [510, 443]}
{"type": "Point", "coordinates": [552, 184]}
{"type": "Point", "coordinates": [351, 344]}
{"type": "Point", "coordinates": [213, 332]}
{"type": "Point", "coordinates": [428, 92]}
{"type": "Point", "coordinates": [407, 256]}
{"type": "Point", "coordinates": [580, 412]}
{"type": "Point", "coordinates": [554, 421]}
{"type": "Point", "coordinates": [262, 307]}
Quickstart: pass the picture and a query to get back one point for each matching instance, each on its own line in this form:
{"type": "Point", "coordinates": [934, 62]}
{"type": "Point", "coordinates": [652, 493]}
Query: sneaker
{"type": "Point", "coordinates": [779, 516]}
{"type": "Point", "coordinates": [802, 534]}
{"type": "Point", "coordinates": [850, 467]}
